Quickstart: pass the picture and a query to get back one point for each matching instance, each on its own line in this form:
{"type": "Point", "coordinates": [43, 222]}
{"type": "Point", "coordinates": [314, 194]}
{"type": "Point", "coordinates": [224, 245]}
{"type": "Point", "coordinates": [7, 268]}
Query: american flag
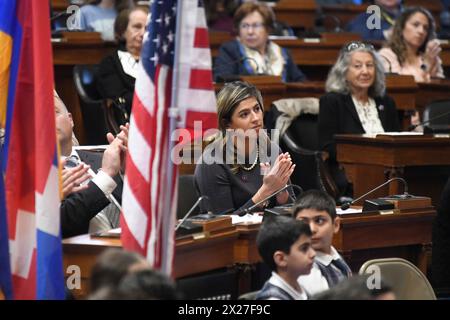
{"type": "Point", "coordinates": [29, 157]}
{"type": "Point", "coordinates": [173, 89]}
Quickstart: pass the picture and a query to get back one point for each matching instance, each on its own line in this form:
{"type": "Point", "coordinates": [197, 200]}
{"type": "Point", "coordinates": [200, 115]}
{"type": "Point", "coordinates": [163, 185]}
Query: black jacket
{"type": "Point", "coordinates": [338, 115]}
{"type": "Point", "coordinates": [78, 208]}
{"type": "Point", "coordinates": [113, 82]}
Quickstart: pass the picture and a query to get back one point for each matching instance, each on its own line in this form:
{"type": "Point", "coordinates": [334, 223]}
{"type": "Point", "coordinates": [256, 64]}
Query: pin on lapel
{"type": "Point", "coordinates": [381, 107]}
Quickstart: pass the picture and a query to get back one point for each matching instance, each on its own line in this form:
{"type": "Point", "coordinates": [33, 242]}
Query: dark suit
{"type": "Point", "coordinates": [78, 208]}
{"type": "Point", "coordinates": [230, 62]}
{"type": "Point", "coordinates": [338, 115]}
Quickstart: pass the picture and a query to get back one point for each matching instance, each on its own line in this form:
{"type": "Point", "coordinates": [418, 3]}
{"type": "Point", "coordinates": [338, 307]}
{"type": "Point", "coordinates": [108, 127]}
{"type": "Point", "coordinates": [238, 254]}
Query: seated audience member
{"type": "Point", "coordinates": [111, 267]}
{"type": "Point", "coordinates": [355, 102]}
{"type": "Point", "coordinates": [318, 210]}
{"type": "Point", "coordinates": [360, 287]}
{"type": "Point", "coordinates": [117, 72]}
{"type": "Point", "coordinates": [389, 9]}
{"type": "Point", "coordinates": [99, 16]}
{"type": "Point", "coordinates": [146, 284]}
{"type": "Point", "coordinates": [413, 48]}
{"type": "Point", "coordinates": [234, 171]}
{"type": "Point", "coordinates": [219, 14]}
{"type": "Point", "coordinates": [252, 52]}
{"type": "Point", "coordinates": [84, 207]}
{"type": "Point", "coordinates": [285, 246]}
{"type": "Point", "coordinates": [440, 259]}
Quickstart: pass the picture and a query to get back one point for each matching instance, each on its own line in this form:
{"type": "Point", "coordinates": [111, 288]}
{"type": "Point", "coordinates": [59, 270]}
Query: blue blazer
{"type": "Point", "coordinates": [231, 62]}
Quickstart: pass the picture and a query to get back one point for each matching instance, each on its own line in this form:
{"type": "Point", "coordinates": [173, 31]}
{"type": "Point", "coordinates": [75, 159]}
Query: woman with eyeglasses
{"type": "Point", "coordinates": [252, 52]}
{"type": "Point", "coordinates": [355, 102]}
{"type": "Point", "coordinates": [413, 48]}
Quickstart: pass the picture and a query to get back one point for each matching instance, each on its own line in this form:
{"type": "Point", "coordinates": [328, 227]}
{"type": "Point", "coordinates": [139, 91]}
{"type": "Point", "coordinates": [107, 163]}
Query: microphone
{"type": "Point", "coordinates": [405, 194]}
{"type": "Point", "coordinates": [256, 205]}
{"type": "Point", "coordinates": [413, 126]}
{"type": "Point", "coordinates": [224, 77]}
{"type": "Point", "coordinates": [199, 200]}
{"type": "Point", "coordinates": [389, 64]}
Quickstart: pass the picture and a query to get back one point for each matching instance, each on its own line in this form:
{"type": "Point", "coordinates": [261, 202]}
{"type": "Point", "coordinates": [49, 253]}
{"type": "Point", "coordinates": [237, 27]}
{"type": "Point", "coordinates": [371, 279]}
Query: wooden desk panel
{"type": "Point", "coordinates": [296, 13]}
{"type": "Point", "coordinates": [424, 160]}
{"type": "Point", "coordinates": [361, 235]}
{"type": "Point", "coordinates": [435, 90]}
{"type": "Point", "coordinates": [84, 250]}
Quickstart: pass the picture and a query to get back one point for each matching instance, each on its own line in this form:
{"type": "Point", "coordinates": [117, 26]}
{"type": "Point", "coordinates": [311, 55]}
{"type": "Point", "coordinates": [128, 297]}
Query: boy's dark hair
{"type": "Point", "coordinates": [147, 285]}
{"type": "Point", "coordinates": [354, 288]}
{"type": "Point", "coordinates": [316, 200]}
{"type": "Point", "coordinates": [111, 266]}
{"type": "Point", "coordinates": [278, 233]}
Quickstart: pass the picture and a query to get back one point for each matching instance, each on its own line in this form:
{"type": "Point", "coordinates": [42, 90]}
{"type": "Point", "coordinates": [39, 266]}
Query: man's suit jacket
{"type": "Point", "coordinates": [78, 208]}
{"type": "Point", "coordinates": [338, 115]}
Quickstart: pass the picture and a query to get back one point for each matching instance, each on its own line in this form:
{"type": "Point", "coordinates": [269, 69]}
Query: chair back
{"type": "Point", "coordinates": [187, 195]}
{"type": "Point", "coordinates": [91, 104]}
{"type": "Point", "coordinates": [437, 117]}
{"type": "Point", "coordinates": [301, 140]}
{"type": "Point", "coordinates": [407, 281]}
{"type": "Point", "coordinates": [84, 79]}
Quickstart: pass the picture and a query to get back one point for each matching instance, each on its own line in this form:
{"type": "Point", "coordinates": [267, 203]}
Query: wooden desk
{"type": "Point", "coordinates": [296, 13]}
{"type": "Point", "coordinates": [361, 237]}
{"type": "Point", "coordinates": [345, 13]}
{"type": "Point", "coordinates": [86, 48]}
{"type": "Point", "coordinates": [370, 236]}
{"type": "Point", "coordinates": [83, 251]}
{"type": "Point", "coordinates": [271, 87]}
{"type": "Point", "coordinates": [435, 90]}
{"type": "Point", "coordinates": [424, 161]}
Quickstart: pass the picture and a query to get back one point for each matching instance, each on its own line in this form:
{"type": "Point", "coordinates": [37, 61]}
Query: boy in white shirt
{"type": "Point", "coordinates": [318, 210]}
{"type": "Point", "coordinates": [285, 246]}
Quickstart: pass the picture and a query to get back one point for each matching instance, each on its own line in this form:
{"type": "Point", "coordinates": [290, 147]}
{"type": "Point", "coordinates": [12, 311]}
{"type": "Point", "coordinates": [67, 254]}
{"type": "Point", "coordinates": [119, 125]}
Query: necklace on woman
{"type": "Point", "coordinates": [254, 163]}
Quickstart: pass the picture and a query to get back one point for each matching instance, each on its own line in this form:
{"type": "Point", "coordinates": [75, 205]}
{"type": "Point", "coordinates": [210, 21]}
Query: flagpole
{"type": "Point", "coordinates": [173, 116]}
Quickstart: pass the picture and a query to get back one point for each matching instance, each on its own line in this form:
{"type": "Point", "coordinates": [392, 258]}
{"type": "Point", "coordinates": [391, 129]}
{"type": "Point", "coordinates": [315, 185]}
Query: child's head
{"type": "Point", "coordinates": [318, 210]}
{"type": "Point", "coordinates": [285, 244]}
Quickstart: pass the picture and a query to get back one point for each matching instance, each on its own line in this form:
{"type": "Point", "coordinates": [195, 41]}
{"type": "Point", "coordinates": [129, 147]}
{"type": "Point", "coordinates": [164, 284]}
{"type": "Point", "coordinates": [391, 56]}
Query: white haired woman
{"type": "Point", "coordinates": [355, 102]}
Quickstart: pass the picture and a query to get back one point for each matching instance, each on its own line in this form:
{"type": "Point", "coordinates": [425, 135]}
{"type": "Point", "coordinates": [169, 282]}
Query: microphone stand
{"type": "Point", "coordinates": [405, 195]}
{"type": "Point", "coordinates": [190, 211]}
{"type": "Point", "coordinates": [256, 205]}
{"type": "Point", "coordinates": [412, 127]}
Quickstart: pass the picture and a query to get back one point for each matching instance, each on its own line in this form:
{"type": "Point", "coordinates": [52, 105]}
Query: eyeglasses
{"type": "Point", "coordinates": [358, 45]}
{"type": "Point", "coordinates": [255, 26]}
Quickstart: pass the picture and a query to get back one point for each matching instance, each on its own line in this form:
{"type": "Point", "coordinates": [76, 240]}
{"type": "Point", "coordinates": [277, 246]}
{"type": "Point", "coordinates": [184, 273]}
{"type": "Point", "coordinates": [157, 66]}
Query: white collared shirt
{"type": "Point", "coordinates": [129, 63]}
{"type": "Point", "coordinates": [368, 115]}
{"type": "Point", "coordinates": [315, 282]}
{"type": "Point", "coordinates": [278, 281]}
{"type": "Point", "coordinates": [108, 218]}
{"type": "Point", "coordinates": [101, 179]}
